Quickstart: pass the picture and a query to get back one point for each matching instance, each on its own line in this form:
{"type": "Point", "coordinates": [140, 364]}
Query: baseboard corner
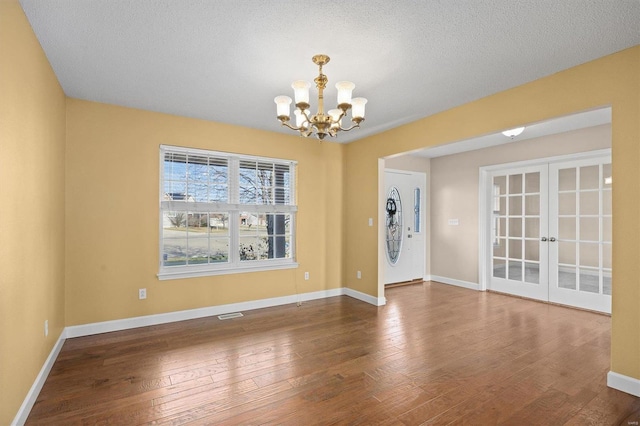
{"type": "Point", "coordinates": [36, 387]}
{"type": "Point", "coordinates": [455, 282]}
{"type": "Point", "coordinates": [623, 383]}
{"type": "Point", "coordinates": [372, 300]}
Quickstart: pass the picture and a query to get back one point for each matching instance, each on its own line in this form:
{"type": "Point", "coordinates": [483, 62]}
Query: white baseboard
{"type": "Point", "coordinates": [376, 301]}
{"type": "Point", "coordinates": [458, 283]}
{"type": "Point", "coordinates": [623, 383]}
{"type": "Point", "coordinates": [127, 323]}
{"type": "Point", "coordinates": [32, 395]}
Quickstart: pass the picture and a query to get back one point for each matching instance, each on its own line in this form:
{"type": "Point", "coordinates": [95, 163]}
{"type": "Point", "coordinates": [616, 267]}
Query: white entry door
{"type": "Point", "coordinates": [550, 228]}
{"type": "Point", "coordinates": [404, 207]}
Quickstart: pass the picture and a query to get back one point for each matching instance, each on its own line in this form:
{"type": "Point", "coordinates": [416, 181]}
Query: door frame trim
{"type": "Point", "coordinates": [484, 194]}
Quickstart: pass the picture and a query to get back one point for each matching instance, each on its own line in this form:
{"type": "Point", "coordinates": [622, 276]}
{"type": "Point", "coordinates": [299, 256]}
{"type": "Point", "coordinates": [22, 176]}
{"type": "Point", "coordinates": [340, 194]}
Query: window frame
{"type": "Point", "coordinates": [234, 208]}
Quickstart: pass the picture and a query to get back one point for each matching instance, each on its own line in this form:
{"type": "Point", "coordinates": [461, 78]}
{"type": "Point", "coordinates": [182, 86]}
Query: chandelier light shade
{"type": "Point", "coordinates": [320, 124]}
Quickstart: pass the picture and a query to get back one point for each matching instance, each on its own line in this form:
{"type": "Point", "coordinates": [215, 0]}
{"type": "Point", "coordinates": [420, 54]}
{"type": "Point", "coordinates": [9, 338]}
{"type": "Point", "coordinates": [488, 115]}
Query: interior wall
{"type": "Point", "coordinates": [613, 80]}
{"type": "Point", "coordinates": [32, 149]}
{"type": "Point", "coordinates": [454, 193]}
{"type": "Point", "coordinates": [112, 220]}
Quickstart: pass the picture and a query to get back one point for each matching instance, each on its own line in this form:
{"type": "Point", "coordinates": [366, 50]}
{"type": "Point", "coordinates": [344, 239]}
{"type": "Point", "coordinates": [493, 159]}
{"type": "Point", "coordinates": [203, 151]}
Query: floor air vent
{"type": "Point", "coordinates": [229, 316]}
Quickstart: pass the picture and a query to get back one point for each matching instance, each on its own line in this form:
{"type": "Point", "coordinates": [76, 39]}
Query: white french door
{"type": "Point", "coordinates": [581, 223]}
{"type": "Point", "coordinates": [519, 218]}
{"type": "Point", "coordinates": [550, 232]}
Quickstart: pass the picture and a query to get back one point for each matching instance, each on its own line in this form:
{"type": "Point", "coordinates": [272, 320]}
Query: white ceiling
{"type": "Point", "coordinates": [225, 60]}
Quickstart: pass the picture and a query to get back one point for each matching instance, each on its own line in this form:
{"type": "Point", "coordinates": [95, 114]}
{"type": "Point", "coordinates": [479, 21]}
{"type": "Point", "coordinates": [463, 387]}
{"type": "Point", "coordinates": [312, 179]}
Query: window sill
{"type": "Point", "coordinates": [183, 272]}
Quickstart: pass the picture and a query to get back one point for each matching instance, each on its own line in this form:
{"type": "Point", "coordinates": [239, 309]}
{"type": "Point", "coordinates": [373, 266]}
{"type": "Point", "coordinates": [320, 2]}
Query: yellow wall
{"type": "Point", "coordinates": [613, 80]}
{"type": "Point", "coordinates": [112, 213]}
{"type": "Point", "coordinates": [32, 143]}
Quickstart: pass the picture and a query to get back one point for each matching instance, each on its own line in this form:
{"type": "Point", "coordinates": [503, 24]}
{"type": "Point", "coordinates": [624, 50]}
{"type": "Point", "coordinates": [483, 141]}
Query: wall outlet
{"type": "Point", "coordinates": [306, 275]}
{"type": "Point", "coordinates": [142, 293]}
{"type": "Point", "coordinates": [359, 275]}
{"type": "Point", "coordinates": [46, 328]}
{"type": "Point", "coordinates": [454, 222]}
{"type": "Point", "coordinates": [370, 221]}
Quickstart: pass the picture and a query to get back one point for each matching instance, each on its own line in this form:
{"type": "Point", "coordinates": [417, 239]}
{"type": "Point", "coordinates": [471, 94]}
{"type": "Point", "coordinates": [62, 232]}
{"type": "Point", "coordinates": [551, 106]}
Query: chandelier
{"type": "Point", "coordinates": [321, 124]}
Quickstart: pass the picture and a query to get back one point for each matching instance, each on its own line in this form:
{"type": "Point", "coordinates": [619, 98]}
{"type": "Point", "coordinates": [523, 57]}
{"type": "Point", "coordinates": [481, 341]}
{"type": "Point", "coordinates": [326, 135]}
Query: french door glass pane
{"type": "Point", "coordinates": [515, 249]}
{"type": "Point", "coordinates": [567, 278]}
{"type": "Point", "coordinates": [500, 249]}
{"type": "Point", "coordinates": [589, 203]}
{"type": "Point", "coordinates": [589, 177]}
{"type": "Point", "coordinates": [515, 184]}
{"type": "Point", "coordinates": [532, 250]}
{"type": "Point", "coordinates": [502, 227]}
{"type": "Point", "coordinates": [532, 227]}
{"type": "Point", "coordinates": [567, 179]}
{"type": "Point", "coordinates": [499, 268]}
{"type": "Point", "coordinates": [515, 270]}
{"type": "Point", "coordinates": [567, 228]}
{"type": "Point", "coordinates": [567, 203]}
{"type": "Point", "coordinates": [589, 280]}
{"type": "Point", "coordinates": [606, 282]}
{"type": "Point", "coordinates": [589, 229]}
{"type": "Point", "coordinates": [589, 254]}
{"type": "Point", "coordinates": [606, 256]}
{"type": "Point", "coordinates": [515, 227]}
{"type": "Point", "coordinates": [532, 205]}
{"type": "Point", "coordinates": [567, 253]}
{"type": "Point", "coordinates": [515, 205]}
{"type": "Point", "coordinates": [606, 202]}
{"type": "Point", "coordinates": [503, 206]}
{"type": "Point", "coordinates": [532, 273]}
{"type": "Point", "coordinates": [501, 183]}
{"type": "Point", "coordinates": [532, 183]}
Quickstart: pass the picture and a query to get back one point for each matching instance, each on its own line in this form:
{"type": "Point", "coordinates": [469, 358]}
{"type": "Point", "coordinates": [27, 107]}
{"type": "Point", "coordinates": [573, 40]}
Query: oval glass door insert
{"type": "Point", "coordinates": [393, 210]}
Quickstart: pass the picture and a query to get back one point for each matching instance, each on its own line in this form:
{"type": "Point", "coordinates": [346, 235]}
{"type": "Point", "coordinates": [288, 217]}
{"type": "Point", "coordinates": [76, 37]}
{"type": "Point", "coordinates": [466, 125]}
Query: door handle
{"type": "Point", "coordinates": [543, 239]}
{"type": "Point", "coordinates": [552, 239]}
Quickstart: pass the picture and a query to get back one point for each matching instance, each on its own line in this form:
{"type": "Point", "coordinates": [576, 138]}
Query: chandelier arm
{"type": "Point", "coordinates": [343, 113]}
{"type": "Point", "coordinates": [284, 123]}
{"type": "Point", "coordinates": [349, 128]}
{"type": "Point", "coordinates": [304, 112]}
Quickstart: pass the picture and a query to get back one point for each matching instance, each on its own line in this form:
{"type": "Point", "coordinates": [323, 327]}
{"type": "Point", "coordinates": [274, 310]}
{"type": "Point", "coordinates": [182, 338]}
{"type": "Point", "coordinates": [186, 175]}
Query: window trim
{"type": "Point", "coordinates": [234, 264]}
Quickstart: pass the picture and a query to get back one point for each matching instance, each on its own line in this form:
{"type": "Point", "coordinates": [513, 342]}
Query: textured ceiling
{"type": "Point", "coordinates": [225, 60]}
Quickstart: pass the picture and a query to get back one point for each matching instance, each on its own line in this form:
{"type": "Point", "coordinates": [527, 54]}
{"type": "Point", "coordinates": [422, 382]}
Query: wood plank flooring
{"type": "Point", "coordinates": [434, 355]}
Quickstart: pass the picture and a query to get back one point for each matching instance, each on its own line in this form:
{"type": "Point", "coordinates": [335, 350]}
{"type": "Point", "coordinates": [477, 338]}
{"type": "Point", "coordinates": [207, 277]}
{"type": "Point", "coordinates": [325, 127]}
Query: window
{"type": "Point", "coordinates": [224, 213]}
{"type": "Point", "coordinates": [416, 210]}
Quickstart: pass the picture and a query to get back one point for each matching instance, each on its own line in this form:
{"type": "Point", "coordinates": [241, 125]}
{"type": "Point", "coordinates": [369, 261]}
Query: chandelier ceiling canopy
{"type": "Point", "coordinates": [320, 124]}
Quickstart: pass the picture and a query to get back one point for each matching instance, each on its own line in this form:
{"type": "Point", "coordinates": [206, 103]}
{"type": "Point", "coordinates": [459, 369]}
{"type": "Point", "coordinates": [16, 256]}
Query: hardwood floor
{"type": "Point", "coordinates": [435, 354]}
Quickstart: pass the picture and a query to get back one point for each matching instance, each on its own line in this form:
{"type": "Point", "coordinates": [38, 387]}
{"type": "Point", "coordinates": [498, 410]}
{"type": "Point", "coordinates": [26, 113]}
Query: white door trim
{"type": "Point", "coordinates": [484, 193]}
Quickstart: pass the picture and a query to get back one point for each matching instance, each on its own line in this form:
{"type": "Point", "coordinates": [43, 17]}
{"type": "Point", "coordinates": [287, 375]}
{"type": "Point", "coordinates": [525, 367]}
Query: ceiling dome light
{"type": "Point", "coordinates": [512, 133]}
